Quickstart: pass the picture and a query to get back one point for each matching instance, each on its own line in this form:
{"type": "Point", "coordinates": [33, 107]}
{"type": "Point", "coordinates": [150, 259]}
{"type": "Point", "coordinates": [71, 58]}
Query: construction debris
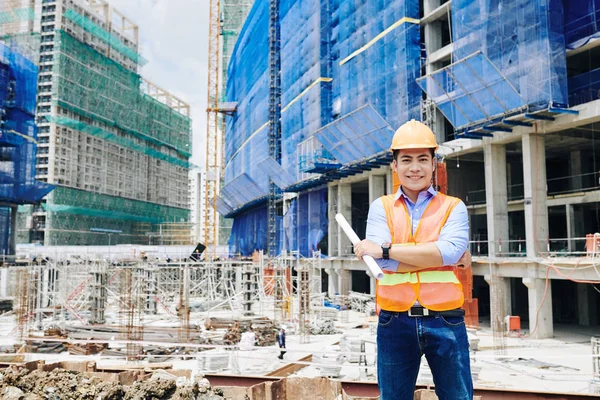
{"type": "Point", "coordinates": [18, 382]}
{"type": "Point", "coordinates": [263, 328]}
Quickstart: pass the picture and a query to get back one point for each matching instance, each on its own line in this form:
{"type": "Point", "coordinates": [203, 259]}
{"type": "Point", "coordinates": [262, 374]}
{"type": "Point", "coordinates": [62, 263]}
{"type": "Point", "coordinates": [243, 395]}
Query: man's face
{"type": "Point", "coordinates": [414, 168]}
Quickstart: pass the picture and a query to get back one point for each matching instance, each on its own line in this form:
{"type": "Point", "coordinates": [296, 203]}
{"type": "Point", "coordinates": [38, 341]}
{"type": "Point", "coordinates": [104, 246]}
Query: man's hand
{"type": "Point", "coordinates": [367, 248]}
{"type": "Point", "coordinates": [465, 260]}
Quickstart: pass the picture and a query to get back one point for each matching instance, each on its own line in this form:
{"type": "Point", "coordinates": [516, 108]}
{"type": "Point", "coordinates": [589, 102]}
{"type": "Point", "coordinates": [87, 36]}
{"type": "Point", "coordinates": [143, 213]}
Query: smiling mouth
{"type": "Point", "coordinates": [414, 178]}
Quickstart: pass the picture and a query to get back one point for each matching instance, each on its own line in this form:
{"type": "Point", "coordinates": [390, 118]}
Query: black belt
{"type": "Point", "coordinates": [418, 311]}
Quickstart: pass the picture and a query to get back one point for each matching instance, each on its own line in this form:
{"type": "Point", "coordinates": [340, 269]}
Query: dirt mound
{"type": "Point", "coordinates": [22, 384]}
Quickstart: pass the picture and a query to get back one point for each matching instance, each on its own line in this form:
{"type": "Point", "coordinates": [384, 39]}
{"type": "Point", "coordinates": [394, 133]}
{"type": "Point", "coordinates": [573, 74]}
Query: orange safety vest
{"type": "Point", "coordinates": [436, 288]}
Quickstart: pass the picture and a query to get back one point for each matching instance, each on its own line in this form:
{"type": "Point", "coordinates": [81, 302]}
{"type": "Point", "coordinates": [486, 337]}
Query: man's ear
{"type": "Point", "coordinates": [394, 164]}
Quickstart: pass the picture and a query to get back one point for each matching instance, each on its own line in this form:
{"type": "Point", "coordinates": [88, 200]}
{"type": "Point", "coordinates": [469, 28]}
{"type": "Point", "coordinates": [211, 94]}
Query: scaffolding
{"type": "Point", "coordinates": [120, 144]}
{"type": "Point", "coordinates": [304, 276]}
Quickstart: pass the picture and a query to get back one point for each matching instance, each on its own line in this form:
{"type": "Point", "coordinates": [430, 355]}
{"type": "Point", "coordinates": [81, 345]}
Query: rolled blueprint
{"type": "Point", "coordinates": [371, 263]}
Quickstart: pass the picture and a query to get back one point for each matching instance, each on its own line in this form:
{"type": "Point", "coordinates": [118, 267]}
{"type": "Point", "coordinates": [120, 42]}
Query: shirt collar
{"type": "Point", "coordinates": [432, 192]}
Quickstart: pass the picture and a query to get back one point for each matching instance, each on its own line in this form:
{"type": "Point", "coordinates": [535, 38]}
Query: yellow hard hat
{"type": "Point", "coordinates": [414, 135]}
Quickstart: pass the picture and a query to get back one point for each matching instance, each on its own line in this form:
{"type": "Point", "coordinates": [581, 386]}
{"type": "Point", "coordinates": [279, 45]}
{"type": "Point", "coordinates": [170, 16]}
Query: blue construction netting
{"type": "Point", "coordinates": [18, 135]}
{"type": "Point", "coordinates": [248, 84]}
{"type": "Point", "coordinates": [520, 41]}
{"type": "Point", "coordinates": [305, 224]}
{"type": "Point", "coordinates": [376, 58]}
{"type": "Point", "coordinates": [4, 229]}
{"type": "Point", "coordinates": [249, 233]}
{"type": "Point", "coordinates": [337, 57]}
{"type": "Point", "coordinates": [582, 25]}
{"type": "Point", "coordinates": [18, 77]}
{"type": "Point", "coordinates": [305, 75]}
{"type": "Point", "coordinates": [584, 87]}
{"type": "Point", "coordinates": [582, 22]}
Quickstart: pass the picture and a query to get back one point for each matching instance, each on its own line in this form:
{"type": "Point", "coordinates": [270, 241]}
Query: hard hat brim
{"type": "Point", "coordinates": [414, 146]}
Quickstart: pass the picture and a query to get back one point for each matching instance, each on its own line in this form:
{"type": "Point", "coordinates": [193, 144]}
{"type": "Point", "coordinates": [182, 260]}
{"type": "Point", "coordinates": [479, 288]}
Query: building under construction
{"type": "Point", "coordinates": [510, 89]}
{"type": "Point", "coordinates": [306, 96]}
{"type": "Point", "coordinates": [116, 146]}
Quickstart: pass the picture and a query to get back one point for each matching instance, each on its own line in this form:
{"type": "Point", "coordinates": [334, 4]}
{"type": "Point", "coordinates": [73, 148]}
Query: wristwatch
{"type": "Point", "coordinates": [385, 247]}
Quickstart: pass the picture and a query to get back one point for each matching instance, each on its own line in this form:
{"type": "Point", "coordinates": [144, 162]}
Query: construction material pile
{"type": "Point", "coordinates": [264, 329]}
{"type": "Point", "coordinates": [323, 327]}
{"type": "Point", "coordinates": [18, 383]}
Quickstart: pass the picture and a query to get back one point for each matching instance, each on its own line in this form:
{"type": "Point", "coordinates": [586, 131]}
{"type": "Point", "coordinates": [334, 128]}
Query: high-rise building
{"type": "Point", "coordinates": [511, 90]}
{"type": "Point", "coordinates": [116, 145]}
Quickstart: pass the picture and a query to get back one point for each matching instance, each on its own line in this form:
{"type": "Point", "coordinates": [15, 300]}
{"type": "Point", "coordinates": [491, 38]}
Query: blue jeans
{"type": "Point", "coordinates": [402, 340]}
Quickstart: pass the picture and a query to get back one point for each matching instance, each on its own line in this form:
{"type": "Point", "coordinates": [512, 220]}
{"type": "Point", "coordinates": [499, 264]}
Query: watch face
{"type": "Point", "coordinates": [386, 245]}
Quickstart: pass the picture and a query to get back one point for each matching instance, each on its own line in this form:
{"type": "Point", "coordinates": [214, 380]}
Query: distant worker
{"type": "Point", "coordinates": [281, 341]}
{"type": "Point", "coordinates": [417, 236]}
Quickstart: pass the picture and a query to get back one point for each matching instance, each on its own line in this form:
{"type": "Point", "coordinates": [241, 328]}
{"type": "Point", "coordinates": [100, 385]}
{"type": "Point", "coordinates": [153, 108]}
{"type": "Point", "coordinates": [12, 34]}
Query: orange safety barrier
{"type": "Point", "coordinates": [440, 177]}
{"type": "Point", "coordinates": [514, 323]}
{"type": "Point", "coordinates": [471, 305]}
{"type": "Point", "coordinates": [471, 308]}
{"type": "Point", "coordinates": [592, 243]}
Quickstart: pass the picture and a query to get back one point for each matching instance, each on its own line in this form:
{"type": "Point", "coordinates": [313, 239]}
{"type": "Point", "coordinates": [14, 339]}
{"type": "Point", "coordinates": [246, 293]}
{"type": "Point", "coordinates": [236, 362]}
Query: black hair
{"type": "Point", "coordinates": [397, 153]}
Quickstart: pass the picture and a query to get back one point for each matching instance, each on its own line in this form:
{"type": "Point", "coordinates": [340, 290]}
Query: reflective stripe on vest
{"type": "Point", "coordinates": [436, 288]}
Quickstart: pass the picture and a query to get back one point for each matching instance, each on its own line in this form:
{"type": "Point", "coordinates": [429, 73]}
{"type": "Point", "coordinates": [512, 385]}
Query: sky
{"type": "Point", "coordinates": [173, 38]}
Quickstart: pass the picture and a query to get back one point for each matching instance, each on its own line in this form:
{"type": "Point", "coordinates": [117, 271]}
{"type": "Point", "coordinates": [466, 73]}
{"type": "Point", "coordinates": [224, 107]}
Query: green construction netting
{"type": "Point", "coordinates": [93, 86]}
{"type": "Point", "coordinates": [89, 204]}
{"type": "Point", "coordinates": [116, 139]}
{"type": "Point", "coordinates": [19, 14]}
{"type": "Point", "coordinates": [102, 34]}
{"type": "Point", "coordinates": [82, 230]}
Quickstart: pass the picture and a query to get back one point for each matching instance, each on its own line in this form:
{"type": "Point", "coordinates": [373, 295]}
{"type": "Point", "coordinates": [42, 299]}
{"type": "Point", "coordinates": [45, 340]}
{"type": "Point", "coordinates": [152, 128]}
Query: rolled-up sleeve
{"type": "Point", "coordinates": [454, 236]}
{"type": "Point", "coordinates": [379, 232]}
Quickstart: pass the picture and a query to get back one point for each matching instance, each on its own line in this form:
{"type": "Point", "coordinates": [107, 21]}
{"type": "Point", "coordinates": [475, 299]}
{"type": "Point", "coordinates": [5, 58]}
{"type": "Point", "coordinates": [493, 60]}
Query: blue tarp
{"type": "Point", "coordinates": [582, 22]}
{"type": "Point", "coordinates": [336, 58]}
{"type": "Point", "coordinates": [523, 39]}
{"type": "Point", "coordinates": [18, 135]}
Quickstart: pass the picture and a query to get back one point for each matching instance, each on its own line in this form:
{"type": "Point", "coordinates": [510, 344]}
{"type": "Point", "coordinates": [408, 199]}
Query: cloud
{"type": "Point", "coordinates": [173, 38]}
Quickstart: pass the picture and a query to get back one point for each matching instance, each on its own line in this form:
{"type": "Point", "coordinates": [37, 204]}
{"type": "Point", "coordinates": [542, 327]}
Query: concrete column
{"type": "Point", "coordinates": [536, 288]}
{"type": "Point", "coordinates": [332, 233]}
{"type": "Point", "coordinates": [12, 239]}
{"type": "Point", "coordinates": [376, 187]}
{"type": "Point", "coordinates": [496, 195]}
{"type": "Point", "coordinates": [501, 301]}
{"type": "Point", "coordinates": [344, 201]}
{"type": "Point", "coordinates": [575, 170]}
{"type": "Point", "coordinates": [345, 281]}
{"type": "Point", "coordinates": [238, 278]}
{"type": "Point", "coordinates": [583, 304]}
{"type": "Point", "coordinates": [372, 282]}
{"type": "Point", "coordinates": [593, 306]}
{"type": "Point", "coordinates": [570, 226]}
{"type": "Point", "coordinates": [332, 282]}
{"type": "Point", "coordinates": [534, 178]}
{"type": "Point", "coordinates": [389, 181]}
{"type": "Point", "coordinates": [3, 282]}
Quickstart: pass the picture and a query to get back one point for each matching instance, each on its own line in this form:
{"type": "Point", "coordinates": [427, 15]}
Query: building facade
{"type": "Point", "coordinates": [510, 89]}
{"type": "Point", "coordinates": [116, 145]}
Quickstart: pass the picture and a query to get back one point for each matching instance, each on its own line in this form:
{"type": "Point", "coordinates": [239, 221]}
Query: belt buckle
{"type": "Point", "coordinates": [424, 312]}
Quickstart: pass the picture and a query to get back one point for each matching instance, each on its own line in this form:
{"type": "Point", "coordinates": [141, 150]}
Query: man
{"type": "Point", "coordinates": [417, 236]}
{"type": "Point", "coordinates": [281, 342]}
